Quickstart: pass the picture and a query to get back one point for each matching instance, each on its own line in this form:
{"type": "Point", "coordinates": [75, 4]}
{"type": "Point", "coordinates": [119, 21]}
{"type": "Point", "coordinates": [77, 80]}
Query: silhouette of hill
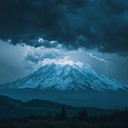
{"type": "Point", "coordinates": [11, 108]}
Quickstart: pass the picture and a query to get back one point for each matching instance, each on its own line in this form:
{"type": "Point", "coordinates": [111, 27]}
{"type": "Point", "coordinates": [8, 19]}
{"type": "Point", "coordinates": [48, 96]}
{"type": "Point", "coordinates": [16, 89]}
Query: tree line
{"type": "Point", "coordinates": [81, 116]}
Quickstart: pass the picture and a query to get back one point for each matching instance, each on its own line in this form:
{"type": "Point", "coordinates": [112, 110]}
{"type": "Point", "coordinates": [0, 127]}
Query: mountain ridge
{"type": "Point", "coordinates": [67, 77]}
{"type": "Point", "coordinates": [12, 108]}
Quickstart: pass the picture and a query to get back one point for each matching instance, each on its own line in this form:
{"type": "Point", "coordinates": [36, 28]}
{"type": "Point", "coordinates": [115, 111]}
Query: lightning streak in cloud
{"type": "Point", "coordinates": [101, 59]}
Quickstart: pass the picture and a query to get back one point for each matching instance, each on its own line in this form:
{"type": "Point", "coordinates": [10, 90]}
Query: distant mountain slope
{"type": "Point", "coordinates": [67, 77]}
{"type": "Point", "coordinates": [16, 108]}
{"type": "Point", "coordinates": [7, 101]}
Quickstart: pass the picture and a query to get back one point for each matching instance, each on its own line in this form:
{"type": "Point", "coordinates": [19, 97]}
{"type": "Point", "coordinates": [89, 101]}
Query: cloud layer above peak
{"type": "Point", "coordinates": [74, 24]}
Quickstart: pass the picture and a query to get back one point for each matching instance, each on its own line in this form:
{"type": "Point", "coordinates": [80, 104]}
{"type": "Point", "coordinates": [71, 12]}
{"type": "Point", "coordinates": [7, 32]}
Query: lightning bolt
{"type": "Point", "coordinates": [101, 59]}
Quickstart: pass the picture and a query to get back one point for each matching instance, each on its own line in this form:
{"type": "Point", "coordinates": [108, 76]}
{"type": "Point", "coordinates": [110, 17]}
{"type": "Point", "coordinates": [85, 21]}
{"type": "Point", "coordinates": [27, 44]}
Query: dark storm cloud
{"type": "Point", "coordinates": [46, 43]}
{"type": "Point", "coordinates": [101, 24]}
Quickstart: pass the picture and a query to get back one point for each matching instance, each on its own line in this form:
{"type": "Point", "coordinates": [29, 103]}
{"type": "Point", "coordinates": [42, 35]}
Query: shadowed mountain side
{"type": "Point", "coordinates": [89, 98]}
{"type": "Point", "coordinates": [15, 108]}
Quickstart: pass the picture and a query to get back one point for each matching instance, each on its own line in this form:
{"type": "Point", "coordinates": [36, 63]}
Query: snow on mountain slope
{"type": "Point", "coordinates": [67, 77]}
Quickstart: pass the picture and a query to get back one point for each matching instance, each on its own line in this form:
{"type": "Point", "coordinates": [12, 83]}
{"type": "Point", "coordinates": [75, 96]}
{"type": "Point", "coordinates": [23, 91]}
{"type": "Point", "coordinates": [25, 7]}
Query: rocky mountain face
{"type": "Point", "coordinates": [67, 77]}
{"type": "Point", "coordinates": [73, 85]}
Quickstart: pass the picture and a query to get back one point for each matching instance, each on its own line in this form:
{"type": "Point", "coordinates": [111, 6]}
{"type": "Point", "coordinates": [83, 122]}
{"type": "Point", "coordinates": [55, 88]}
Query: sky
{"type": "Point", "coordinates": [36, 32]}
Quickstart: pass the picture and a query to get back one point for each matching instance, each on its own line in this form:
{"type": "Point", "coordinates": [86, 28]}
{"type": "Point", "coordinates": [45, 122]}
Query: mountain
{"type": "Point", "coordinates": [73, 85]}
{"type": "Point", "coordinates": [67, 77]}
{"type": "Point", "coordinates": [11, 108]}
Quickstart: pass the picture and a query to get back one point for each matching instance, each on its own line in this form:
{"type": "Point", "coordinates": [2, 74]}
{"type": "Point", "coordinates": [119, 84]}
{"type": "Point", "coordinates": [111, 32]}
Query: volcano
{"type": "Point", "coordinates": [77, 85]}
{"type": "Point", "coordinates": [67, 77]}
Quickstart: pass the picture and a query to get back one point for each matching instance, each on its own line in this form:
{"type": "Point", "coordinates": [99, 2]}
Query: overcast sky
{"type": "Point", "coordinates": [37, 32]}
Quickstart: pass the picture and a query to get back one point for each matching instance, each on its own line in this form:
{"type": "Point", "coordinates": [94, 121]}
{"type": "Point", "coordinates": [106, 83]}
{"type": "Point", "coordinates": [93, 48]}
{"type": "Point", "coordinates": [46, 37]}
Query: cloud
{"type": "Point", "coordinates": [37, 55]}
{"type": "Point", "coordinates": [47, 44]}
{"type": "Point", "coordinates": [12, 63]}
{"type": "Point", "coordinates": [74, 24]}
{"type": "Point", "coordinates": [65, 61]}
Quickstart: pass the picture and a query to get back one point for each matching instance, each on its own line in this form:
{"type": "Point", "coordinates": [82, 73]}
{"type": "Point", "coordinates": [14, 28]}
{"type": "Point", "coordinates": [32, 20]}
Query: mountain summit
{"type": "Point", "coordinates": [67, 77]}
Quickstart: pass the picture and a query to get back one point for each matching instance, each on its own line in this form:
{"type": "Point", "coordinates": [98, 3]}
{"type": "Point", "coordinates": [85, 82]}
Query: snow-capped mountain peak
{"type": "Point", "coordinates": [67, 77]}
